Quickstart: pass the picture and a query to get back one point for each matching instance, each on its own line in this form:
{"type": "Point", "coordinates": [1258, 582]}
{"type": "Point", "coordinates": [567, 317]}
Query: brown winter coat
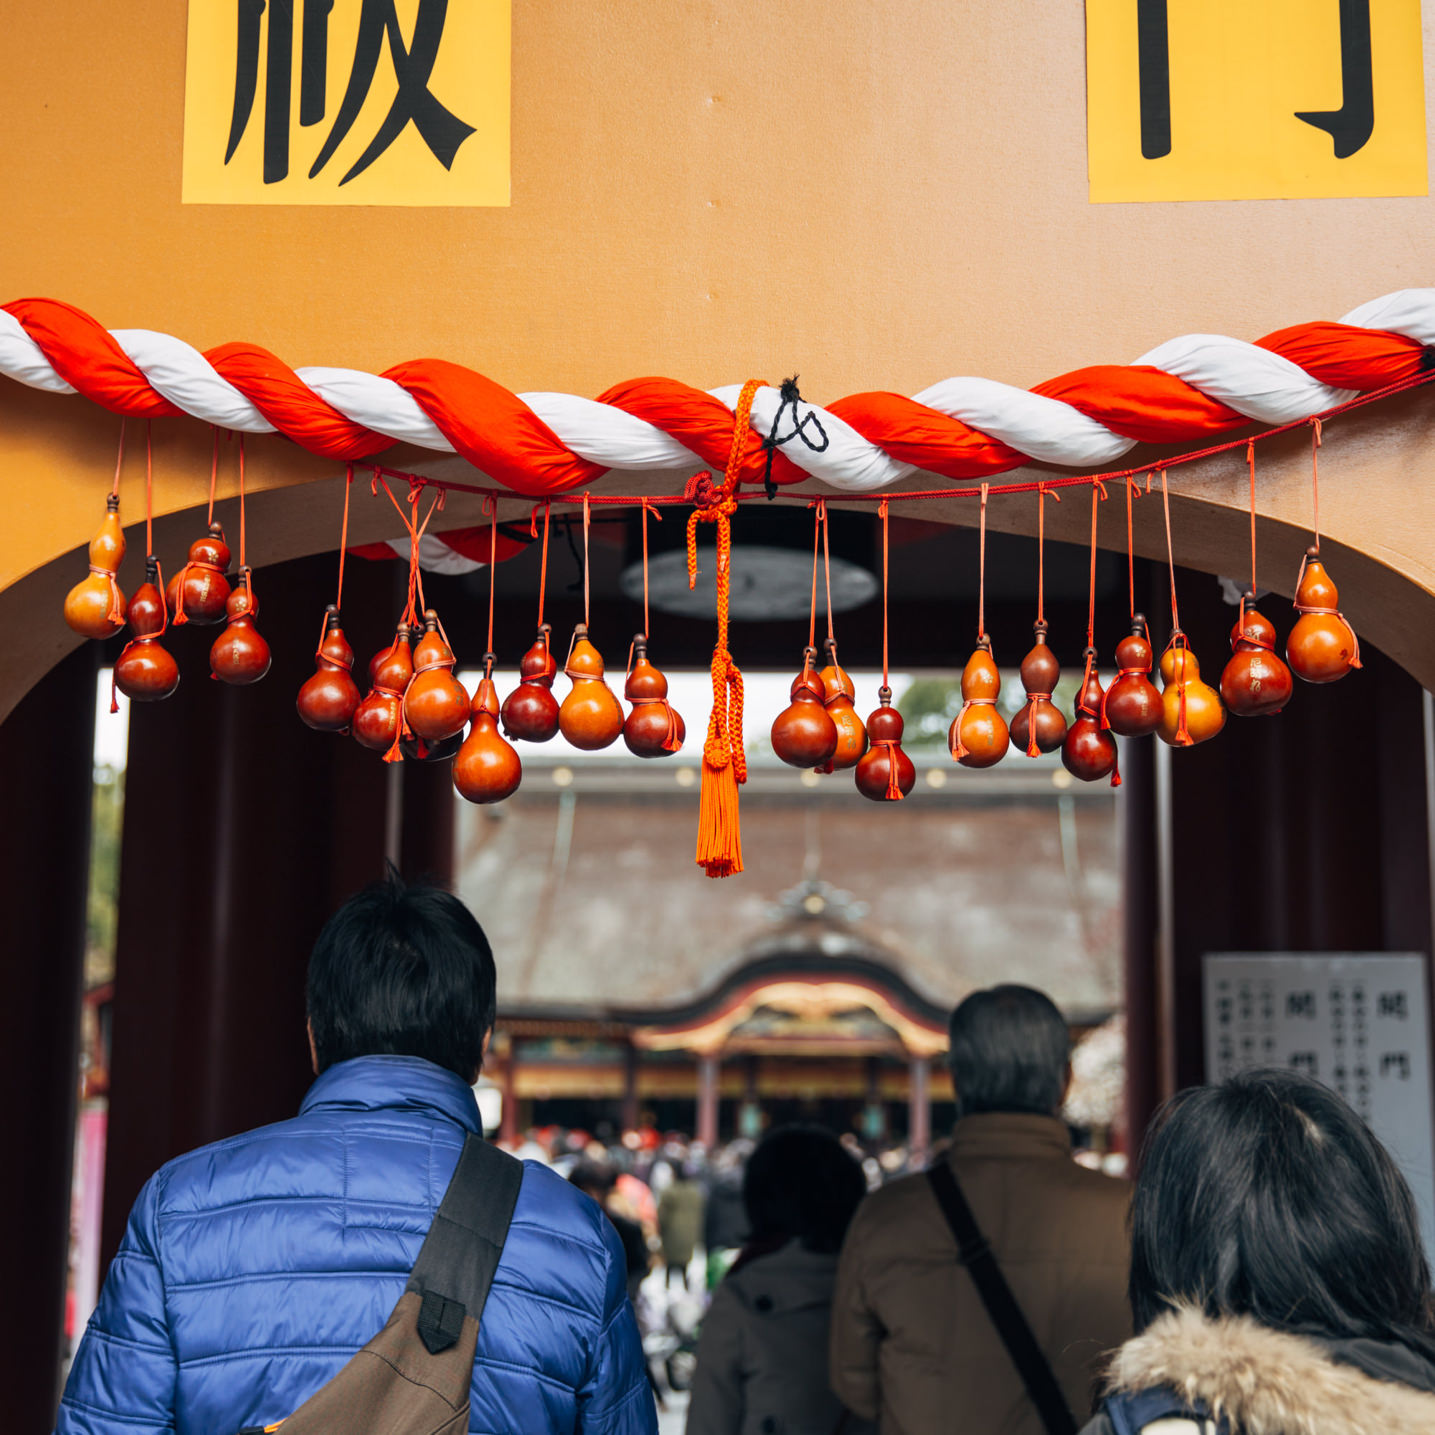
{"type": "Point", "coordinates": [912, 1345]}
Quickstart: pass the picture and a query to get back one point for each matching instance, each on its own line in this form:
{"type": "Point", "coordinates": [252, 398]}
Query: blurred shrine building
{"type": "Point", "coordinates": [816, 989]}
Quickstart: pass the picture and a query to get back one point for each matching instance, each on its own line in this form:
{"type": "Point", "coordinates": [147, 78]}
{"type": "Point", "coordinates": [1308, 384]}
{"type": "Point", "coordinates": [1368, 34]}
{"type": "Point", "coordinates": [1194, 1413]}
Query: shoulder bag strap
{"type": "Point", "coordinates": [456, 1266]}
{"type": "Point", "coordinates": [975, 1252]}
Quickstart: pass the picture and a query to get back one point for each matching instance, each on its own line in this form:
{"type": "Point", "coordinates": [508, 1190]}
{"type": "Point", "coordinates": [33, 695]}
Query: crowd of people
{"type": "Point", "coordinates": [1263, 1275]}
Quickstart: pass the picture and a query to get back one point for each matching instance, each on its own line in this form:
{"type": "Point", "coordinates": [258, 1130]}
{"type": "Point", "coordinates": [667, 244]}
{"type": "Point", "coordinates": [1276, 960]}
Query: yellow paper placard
{"type": "Point", "coordinates": [1254, 99]}
{"type": "Point", "coordinates": [402, 102]}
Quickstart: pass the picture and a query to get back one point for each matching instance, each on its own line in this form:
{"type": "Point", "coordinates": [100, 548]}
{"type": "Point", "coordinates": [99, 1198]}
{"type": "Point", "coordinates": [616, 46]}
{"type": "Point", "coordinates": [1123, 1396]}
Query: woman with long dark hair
{"type": "Point", "coordinates": [762, 1355]}
{"type": "Point", "coordinates": [1278, 1281]}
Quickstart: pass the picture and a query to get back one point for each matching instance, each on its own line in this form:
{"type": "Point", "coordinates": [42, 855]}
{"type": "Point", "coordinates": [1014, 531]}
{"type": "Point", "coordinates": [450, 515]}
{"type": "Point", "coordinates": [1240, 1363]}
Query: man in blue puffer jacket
{"type": "Point", "coordinates": [253, 1269]}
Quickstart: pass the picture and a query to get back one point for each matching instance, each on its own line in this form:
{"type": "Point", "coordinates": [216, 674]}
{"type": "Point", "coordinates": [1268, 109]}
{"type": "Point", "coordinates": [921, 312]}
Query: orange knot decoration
{"type": "Point", "coordinates": [329, 698]}
{"type": "Point", "coordinates": [885, 773]}
{"type": "Point", "coordinates": [978, 736]}
{"type": "Point", "coordinates": [1322, 647]}
{"type": "Point", "coordinates": [530, 711]}
{"type": "Point", "coordinates": [1191, 710]}
{"type": "Point", "coordinates": [1039, 727]}
{"type": "Point", "coordinates": [1132, 705]}
{"type": "Point", "coordinates": [803, 733]}
{"type": "Point", "coordinates": [95, 607]}
{"type": "Point", "coordinates": [199, 592]}
{"type": "Point", "coordinates": [653, 728]}
{"type": "Point", "coordinates": [378, 722]}
{"type": "Point", "coordinates": [146, 671]}
{"type": "Point", "coordinates": [839, 693]}
{"type": "Point", "coordinates": [1255, 683]}
{"type": "Point", "coordinates": [239, 655]}
{"type": "Point", "coordinates": [487, 769]}
{"type": "Point", "coordinates": [1089, 751]}
{"type": "Point", "coordinates": [719, 846]}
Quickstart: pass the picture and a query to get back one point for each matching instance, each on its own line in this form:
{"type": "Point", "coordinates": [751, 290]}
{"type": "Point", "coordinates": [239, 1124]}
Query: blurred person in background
{"type": "Point", "coordinates": [762, 1354]}
{"type": "Point", "coordinates": [1278, 1280]}
{"type": "Point", "coordinates": [599, 1180]}
{"type": "Point", "coordinates": [680, 1221]}
{"type": "Point", "coordinates": [912, 1341]}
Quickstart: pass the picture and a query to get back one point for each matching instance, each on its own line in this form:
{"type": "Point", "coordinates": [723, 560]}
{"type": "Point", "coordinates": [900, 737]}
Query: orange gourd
{"type": "Point", "coordinates": [146, 671]}
{"type": "Point", "coordinates": [1039, 727]}
{"type": "Point", "coordinates": [95, 606]}
{"type": "Point", "coordinates": [803, 733]}
{"type": "Point", "coordinates": [436, 704]}
{"type": "Point", "coordinates": [1322, 647]}
{"type": "Point", "coordinates": [1255, 683]}
{"type": "Point", "coordinates": [653, 728]}
{"type": "Point", "coordinates": [839, 691]}
{"type": "Point", "coordinates": [1191, 710]}
{"type": "Point", "coordinates": [487, 768]}
{"type": "Point", "coordinates": [239, 655]}
{"type": "Point", "coordinates": [885, 773]}
{"type": "Point", "coordinates": [378, 719]}
{"type": "Point", "coordinates": [1133, 702]}
{"type": "Point", "coordinates": [199, 592]}
{"type": "Point", "coordinates": [591, 717]}
{"type": "Point", "coordinates": [1089, 751]}
{"type": "Point", "coordinates": [978, 735]}
{"type": "Point", "coordinates": [328, 699]}
{"type": "Point", "coordinates": [530, 711]}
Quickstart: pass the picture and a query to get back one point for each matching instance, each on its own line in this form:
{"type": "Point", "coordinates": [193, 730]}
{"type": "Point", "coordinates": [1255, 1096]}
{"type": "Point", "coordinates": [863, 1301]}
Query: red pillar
{"type": "Point", "coordinates": [631, 1112]}
{"type": "Point", "coordinates": [919, 1119]}
{"type": "Point", "coordinates": [508, 1121]}
{"type": "Point", "coordinates": [707, 1123]}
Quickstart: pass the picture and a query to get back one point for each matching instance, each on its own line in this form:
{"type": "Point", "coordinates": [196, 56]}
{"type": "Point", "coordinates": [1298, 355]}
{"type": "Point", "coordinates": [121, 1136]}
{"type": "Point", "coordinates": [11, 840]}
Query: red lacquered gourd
{"type": "Point", "coordinates": [95, 607]}
{"type": "Point", "coordinates": [1133, 703]}
{"type": "Point", "coordinates": [436, 704]}
{"type": "Point", "coordinates": [328, 699]}
{"type": "Point", "coordinates": [1039, 726]}
{"type": "Point", "coordinates": [379, 717]}
{"type": "Point", "coordinates": [884, 772]}
{"type": "Point", "coordinates": [978, 735]}
{"type": "Point", "coordinates": [591, 716]}
{"type": "Point", "coordinates": [803, 733]}
{"type": "Point", "coordinates": [487, 769]}
{"type": "Point", "coordinates": [1255, 683]}
{"type": "Point", "coordinates": [1089, 751]}
{"type": "Point", "coordinates": [1191, 710]}
{"type": "Point", "coordinates": [1322, 646]}
{"type": "Point", "coordinates": [839, 691]}
{"type": "Point", "coordinates": [199, 592]}
{"type": "Point", "coordinates": [653, 728]}
{"type": "Point", "coordinates": [146, 672]}
{"type": "Point", "coordinates": [239, 654]}
{"type": "Point", "coordinates": [530, 711]}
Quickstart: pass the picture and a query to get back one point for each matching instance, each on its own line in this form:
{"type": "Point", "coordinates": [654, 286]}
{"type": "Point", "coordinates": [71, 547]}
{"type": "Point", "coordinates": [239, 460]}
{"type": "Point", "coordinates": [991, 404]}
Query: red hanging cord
{"type": "Point", "coordinates": [543, 566]}
{"type": "Point", "coordinates": [214, 476]}
{"type": "Point", "coordinates": [344, 534]}
{"type": "Point", "coordinates": [647, 508]}
{"type": "Point", "coordinates": [1315, 443]}
{"type": "Point", "coordinates": [1178, 638]}
{"type": "Point", "coordinates": [1251, 464]}
{"type": "Point", "coordinates": [1130, 553]}
{"type": "Point", "coordinates": [119, 460]}
{"type": "Point", "coordinates": [491, 508]}
{"type": "Point", "coordinates": [1041, 553]}
{"type": "Point", "coordinates": [982, 574]}
{"type": "Point", "coordinates": [149, 490]}
{"type": "Point", "coordinates": [827, 564]}
{"type": "Point", "coordinates": [882, 513]}
{"type": "Point", "coordinates": [587, 523]}
{"type": "Point", "coordinates": [1097, 494]}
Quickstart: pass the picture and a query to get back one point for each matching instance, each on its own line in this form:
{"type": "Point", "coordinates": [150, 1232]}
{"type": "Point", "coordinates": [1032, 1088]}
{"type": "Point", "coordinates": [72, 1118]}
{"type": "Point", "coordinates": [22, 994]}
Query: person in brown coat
{"type": "Point", "coordinates": [912, 1345]}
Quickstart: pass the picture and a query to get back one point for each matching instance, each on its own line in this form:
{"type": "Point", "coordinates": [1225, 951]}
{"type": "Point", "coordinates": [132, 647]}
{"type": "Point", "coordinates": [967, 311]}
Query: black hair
{"type": "Point", "coordinates": [1267, 1196]}
{"type": "Point", "coordinates": [801, 1183]}
{"type": "Point", "coordinates": [596, 1178]}
{"type": "Point", "coordinates": [1008, 1049]}
{"type": "Point", "coordinates": [403, 971]}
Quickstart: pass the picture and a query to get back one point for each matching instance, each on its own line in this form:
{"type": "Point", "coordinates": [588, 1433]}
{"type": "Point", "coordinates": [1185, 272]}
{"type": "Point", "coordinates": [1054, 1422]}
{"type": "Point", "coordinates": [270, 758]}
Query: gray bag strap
{"type": "Point", "coordinates": [460, 1254]}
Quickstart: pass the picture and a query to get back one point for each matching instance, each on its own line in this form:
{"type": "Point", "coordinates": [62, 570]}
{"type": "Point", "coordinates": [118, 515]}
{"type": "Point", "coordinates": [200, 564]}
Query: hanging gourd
{"type": "Point", "coordinates": [839, 692]}
{"type": "Point", "coordinates": [146, 671]}
{"type": "Point", "coordinates": [239, 655]}
{"type": "Point", "coordinates": [1039, 727]}
{"type": "Point", "coordinates": [591, 716]}
{"type": "Point", "coordinates": [329, 698]}
{"type": "Point", "coordinates": [1133, 701]}
{"type": "Point", "coordinates": [803, 733]}
{"type": "Point", "coordinates": [530, 711]}
{"type": "Point", "coordinates": [653, 728]}
{"type": "Point", "coordinates": [487, 768]}
{"type": "Point", "coordinates": [978, 736]}
{"type": "Point", "coordinates": [199, 592]}
{"type": "Point", "coordinates": [884, 772]}
{"type": "Point", "coordinates": [436, 704]}
{"type": "Point", "coordinates": [1089, 752]}
{"type": "Point", "coordinates": [95, 606]}
{"type": "Point", "coordinates": [379, 718]}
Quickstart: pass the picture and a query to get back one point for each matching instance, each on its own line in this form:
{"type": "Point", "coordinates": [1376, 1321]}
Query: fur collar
{"type": "Point", "coordinates": [1266, 1382]}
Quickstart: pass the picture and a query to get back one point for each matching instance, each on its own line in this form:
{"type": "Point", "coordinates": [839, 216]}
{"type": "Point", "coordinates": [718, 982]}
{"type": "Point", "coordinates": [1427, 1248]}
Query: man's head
{"type": "Point", "coordinates": [1010, 1051]}
{"type": "Point", "coordinates": [402, 971]}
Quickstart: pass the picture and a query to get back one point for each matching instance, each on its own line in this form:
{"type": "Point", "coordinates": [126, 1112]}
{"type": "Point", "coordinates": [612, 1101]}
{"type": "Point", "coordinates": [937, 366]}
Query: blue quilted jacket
{"type": "Point", "coordinates": [254, 1268]}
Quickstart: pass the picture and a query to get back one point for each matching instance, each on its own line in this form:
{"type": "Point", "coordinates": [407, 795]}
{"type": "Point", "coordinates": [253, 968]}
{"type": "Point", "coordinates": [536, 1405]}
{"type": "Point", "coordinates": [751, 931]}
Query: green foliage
{"type": "Point", "coordinates": [928, 707]}
{"type": "Point", "coordinates": [101, 906]}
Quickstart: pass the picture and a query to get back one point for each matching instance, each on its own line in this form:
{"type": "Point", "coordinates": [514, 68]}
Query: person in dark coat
{"type": "Point", "coordinates": [253, 1269]}
{"type": "Point", "coordinates": [1278, 1280]}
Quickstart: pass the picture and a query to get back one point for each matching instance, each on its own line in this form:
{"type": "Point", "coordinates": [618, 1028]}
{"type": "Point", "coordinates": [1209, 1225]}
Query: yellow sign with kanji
{"type": "Point", "coordinates": [1254, 99]}
{"type": "Point", "coordinates": [402, 102]}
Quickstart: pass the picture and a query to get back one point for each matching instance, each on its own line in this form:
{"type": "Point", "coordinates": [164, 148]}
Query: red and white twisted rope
{"type": "Point", "coordinates": [1189, 388]}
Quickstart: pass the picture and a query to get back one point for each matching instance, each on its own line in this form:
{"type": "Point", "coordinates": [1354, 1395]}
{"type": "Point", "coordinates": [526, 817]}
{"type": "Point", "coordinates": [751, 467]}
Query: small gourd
{"type": "Point", "coordinates": [1322, 647]}
{"type": "Point", "coordinates": [1255, 683]}
{"type": "Point", "coordinates": [436, 704]}
{"type": "Point", "coordinates": [199, 592]}
{"type": "Point", "coordinates": [146, 671]}
{"type": "Point", "coordinates": [591, 716]}
{"type": "Point", "coordinates": [978, 736]}
{"type": "Point", "coordinates": [95, 607]}
{"type": "Point", "coordinates": [1191, 710]}
{"type": "Point", "coordinates": [1039, 727]}
{"type": "Point", "coordinates": [530, 711]}
{"type": "Point", "coordinates": [653, 728]}
{"type": "Point", "coordinates": [239, 655]}
{"type": "Point", "coordinates": [839, 691]}
{"type": "Point", "coordinates": [487, 768]}
{"type": "Point", "coordinates": [884, 772]}
{"type": "Point", "coordinates": [1133, 702]}
{"type": "Point", "coordinates": [1089, 751]}
{"type": "Point", "coordinates": [379, 718]}
{"type": "Point", "coordinates": [328, 699]}
{"type": "Point", "coordinates": [803, 733]}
